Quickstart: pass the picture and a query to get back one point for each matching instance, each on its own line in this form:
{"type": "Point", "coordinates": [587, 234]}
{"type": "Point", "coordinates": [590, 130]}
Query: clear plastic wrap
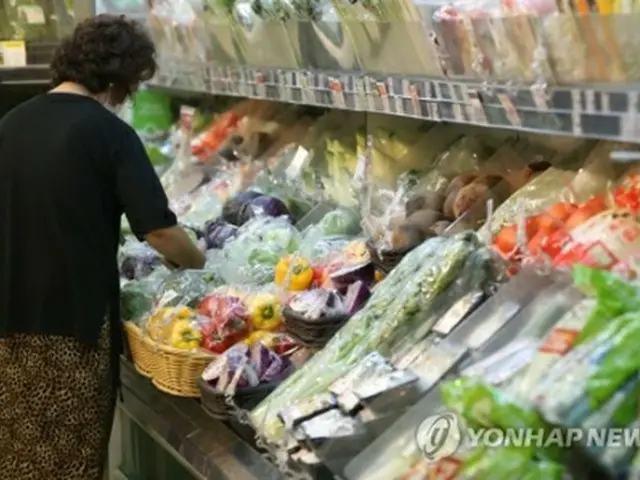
{"type": "Point", "coordinates": [243, 366]}
{"type": "Point", "coordinates": [137, 260]}
{"type": "Point", "coordinates": [393, 313]}
{"type": "Point", "coordinates": [252, 256]}
{"type": "Point", "coordinates": [137, 298]}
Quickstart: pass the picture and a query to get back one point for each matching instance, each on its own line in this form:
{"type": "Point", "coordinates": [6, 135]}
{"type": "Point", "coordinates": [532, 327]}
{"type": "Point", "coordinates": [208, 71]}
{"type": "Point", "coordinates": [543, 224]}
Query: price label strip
{"type": "Point", "coordinates": [337, 92]}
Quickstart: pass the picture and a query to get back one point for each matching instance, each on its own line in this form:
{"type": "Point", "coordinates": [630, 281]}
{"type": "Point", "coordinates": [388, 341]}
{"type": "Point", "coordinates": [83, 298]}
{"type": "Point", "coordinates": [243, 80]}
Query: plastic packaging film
{"type": "Point", "coordinates": [365, 332]}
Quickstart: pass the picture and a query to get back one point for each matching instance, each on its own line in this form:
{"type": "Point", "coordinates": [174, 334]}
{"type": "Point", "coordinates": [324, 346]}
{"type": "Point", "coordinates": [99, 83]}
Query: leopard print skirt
{"type": "Point", "coordinates": [57, 401]}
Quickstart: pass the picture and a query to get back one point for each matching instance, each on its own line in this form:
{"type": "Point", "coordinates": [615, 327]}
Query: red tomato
{"type": "Point", "coordinates": [587, 210]}
{"type": "Point", "coordinates": [505, 240]}
{"type": "Point", "coordinates": [554, 216]}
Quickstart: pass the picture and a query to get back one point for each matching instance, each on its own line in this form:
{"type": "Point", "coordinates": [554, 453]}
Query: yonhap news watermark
{"type": "Point", "coordinates": [442, 435]}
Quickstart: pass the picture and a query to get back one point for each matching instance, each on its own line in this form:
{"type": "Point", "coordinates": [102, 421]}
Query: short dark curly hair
{"type": "Point", "coordinates": [106, 53]}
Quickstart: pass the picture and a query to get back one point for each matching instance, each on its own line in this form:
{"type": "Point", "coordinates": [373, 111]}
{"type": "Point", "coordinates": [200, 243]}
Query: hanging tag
{"type": "Point", "coordinates": [476, 109]}
{"type": "Point", "coordinates": [13, 54]}
{"type": "Point", "coordinates": [383, 95]}
{"type": "Point", "coordinates": [590, 101]}
{"type": "Point", "coordinates": [576, 112]}
{"type": "Point", "coordinates": [307, 88]}
{"type": "Point", "coordinates": [398, 100]}
{"type": "Point", "coordinates": [337, 93]}
{"type": "Point", "coordinates": [540, 98]}
{"type": "Point", "coordinates": [284, 93]}
{"type": "Point", "coordinates": [510, 109]}
{"type": "Point", "coordinates": [300, 159]}
{"type": "Point", "coordinates": [457, 112]}
{"type": "Point", "coordinates": [410, 91]}
{"type": "Point", "coordinates": [261, 87]}
{"type": "Point", "coordinates": [360, 94]}
{"type": "Point", "coordinates": [372, 94]}
{"type": "Point", "coordinates": [187, 115]}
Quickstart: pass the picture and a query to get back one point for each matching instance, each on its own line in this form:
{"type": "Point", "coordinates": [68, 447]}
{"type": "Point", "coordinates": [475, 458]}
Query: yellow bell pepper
{"type": "Point", "coordinates": [184, 336]}
{"type": "Point", "coordinates": [258, 336]}
{"type": "Point", "coordinates": [265, 312]}
{"type": "Point", "coordinates": [294, 273]}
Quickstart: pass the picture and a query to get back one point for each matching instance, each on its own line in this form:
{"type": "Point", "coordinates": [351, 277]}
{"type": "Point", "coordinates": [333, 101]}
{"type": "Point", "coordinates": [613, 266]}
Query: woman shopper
{"type": "Point", "coordinates": [69, 169]}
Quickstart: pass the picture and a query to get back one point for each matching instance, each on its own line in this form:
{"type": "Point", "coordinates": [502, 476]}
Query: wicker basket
{"type": "Point", "coordinates": [387, 260]}
{"type": "Point", "coordinates": [312, 333]}
{"type": "Point", "coordinates": [142, 354]}
{"type": "Point", "coordinates": [214, 403]}
{"type": "Point", "coordinates": [177, 370]}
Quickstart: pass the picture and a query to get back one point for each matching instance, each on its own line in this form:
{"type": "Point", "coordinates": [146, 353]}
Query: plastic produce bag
{"type": "Point", "coordinates": [137, 298]}
{"type": "Point", "coordinates": [137, 260]}
{"type": "Point", "coordinates": [176, 327]}
{"type": "Point", "coordinates": [243, 366]}
{"type": "Point", "coordinates": [185, 287]}
{"type": "Point", "coordinates": [252, 256]}
{"type": "Point", "coordinates": [395, 310]}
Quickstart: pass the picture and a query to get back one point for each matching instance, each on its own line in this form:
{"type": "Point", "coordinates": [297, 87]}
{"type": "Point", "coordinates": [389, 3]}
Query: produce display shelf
{"type": "Point", "coordinates": [603, 111]}
{"type": "Point", "coordinates": [209, 448]}
{"type": "Point", "coordinates": [27, 75]}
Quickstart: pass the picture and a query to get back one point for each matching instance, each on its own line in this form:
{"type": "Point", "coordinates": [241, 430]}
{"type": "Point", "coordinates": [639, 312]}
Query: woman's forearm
{"type": "Point", "coordinates": [176, 246]}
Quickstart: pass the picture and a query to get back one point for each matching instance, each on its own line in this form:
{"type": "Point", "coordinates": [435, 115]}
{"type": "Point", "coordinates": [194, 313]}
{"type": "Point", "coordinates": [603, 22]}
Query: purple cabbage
{"type": "Point", "coordinates": [357, 295]}
{"type": "Point", "coordinates": [136, 267]}
{"type": "Point", "coordinates": [258, 364]}
{"type": "Point", "coordinates": [344, 277]}
{"type": "Point", "coordinates": [263, 206]}
{"type": "Point", "coordinates": [232, 209]}
{"type": "Point", "coordinates": [219, 232]}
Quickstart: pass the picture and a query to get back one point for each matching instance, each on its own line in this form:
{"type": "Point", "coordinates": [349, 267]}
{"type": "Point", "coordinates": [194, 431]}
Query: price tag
{"type": "Point", "coordinates": [300, 159]}
{"type": "Point", "coordinates": [476, 109]}
{"type": "Point", "coordinates": [372, 94]}
{"type": "Point", "coordinates": [284, 91]}
{"type": "Point", "coordinates": [629, 122]}
{"type": "Point", "coordinates": [606, 102]}
{"type": "Point", "coordinates": [458, 115]}
{"type": "Point", "coordinates": [410, 91]}
{"type": "Point", "coordinates": [337, 92]}
{"type": "Point", "coordinates": [383, 94]}
{"type": "Point", "coordinates": [590, 101]}
{"type": "Point", "coordinates": [360, 94]}
{"type": "Point", "coordinates": [261, 87]}
{"type": "Point", "coordinates": [540, 98]}
{"type": "Point", "coordinates": [510, 109]}
{"type": "Point", "coordinates": [306, 88]}
{"type": "Point", "coordinates": [13, 54]}
{"type": "Point", "coordinates": [576, 112]}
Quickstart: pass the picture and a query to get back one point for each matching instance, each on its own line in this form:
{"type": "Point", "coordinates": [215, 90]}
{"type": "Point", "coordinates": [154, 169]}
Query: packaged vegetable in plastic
{"type": "Point", "coordinates": [137, 298]}
{"type": "Point", "coordinates": [228, 321]}
{"type": "Point", "coordinates": [395, 310]}
{"type": "Point", "coordinates": [242, 367]}
{"type": "Point", "coordinates": [137, 260]}
{"type": "Point", "coordinates": [293, 273]}
{"type": "Point", "coordinates": [252, 256]}
{"type": "Point", "coordinates": [186, 287]}
{"type": "Point", "coordinates": [176, 327]}
{"type": "Point", "coordinates": [591, 373]}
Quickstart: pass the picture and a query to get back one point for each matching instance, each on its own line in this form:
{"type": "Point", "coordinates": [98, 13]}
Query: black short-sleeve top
{"type": "Point", "coordinates": [69, 169]}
